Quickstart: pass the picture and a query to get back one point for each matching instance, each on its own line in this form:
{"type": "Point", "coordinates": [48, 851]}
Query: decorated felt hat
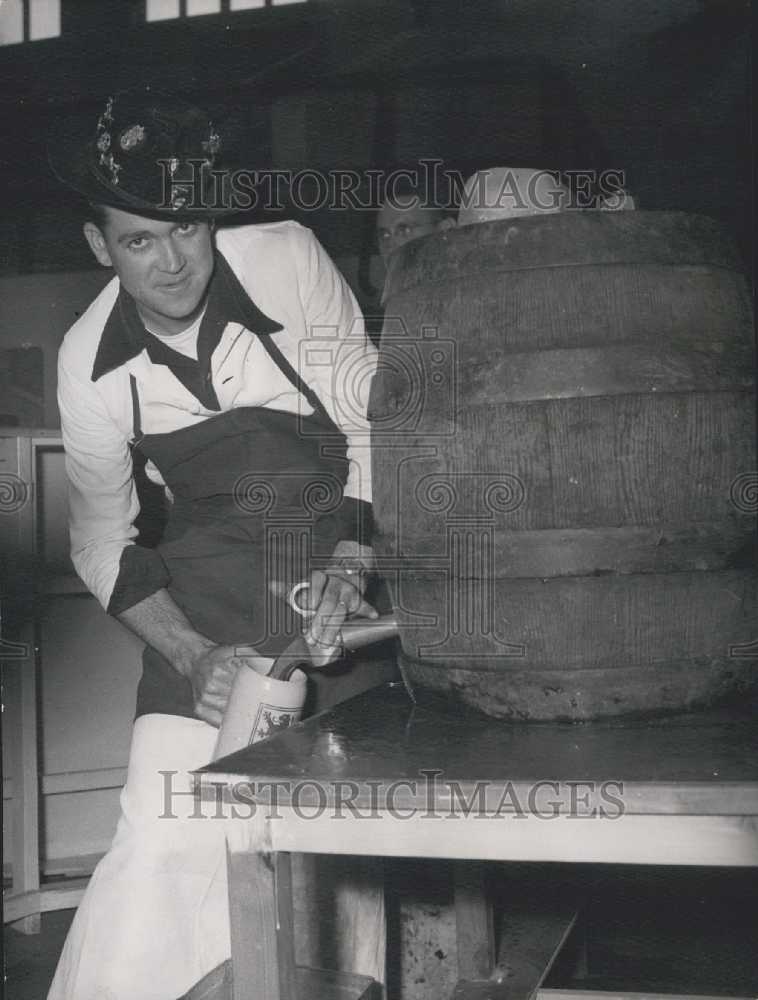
{"type": "Point", "coordinates": [145, 152]}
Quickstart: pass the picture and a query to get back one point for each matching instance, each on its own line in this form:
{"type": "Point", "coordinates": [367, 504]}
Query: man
{"type": "Point", "coordinates": [408, 213]}
{"type": "Point", "coordinates": [236, 364]}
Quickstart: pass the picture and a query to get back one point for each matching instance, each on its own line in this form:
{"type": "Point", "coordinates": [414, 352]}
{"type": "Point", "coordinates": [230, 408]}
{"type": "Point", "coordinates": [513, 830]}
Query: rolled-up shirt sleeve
{"type": "Point", "coordinates": [103, 502]}
{"type": "Point", "coordinates": [341, 360]}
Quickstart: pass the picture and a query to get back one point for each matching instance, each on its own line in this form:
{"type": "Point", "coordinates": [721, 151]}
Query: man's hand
{"type": "Point", "coordinates": [212, 672]}
{"type": "Point", "coordinates": [336, 594]}
{"type": "Point", "coordinates": [210, 668]}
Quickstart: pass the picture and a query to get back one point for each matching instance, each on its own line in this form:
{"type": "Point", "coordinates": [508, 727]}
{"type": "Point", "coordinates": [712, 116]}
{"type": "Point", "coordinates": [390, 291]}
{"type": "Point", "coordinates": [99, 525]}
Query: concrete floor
{"type": "Point", "coordinates": [30, 959]}
{"type": "Point", "coordinates": [671, 930]}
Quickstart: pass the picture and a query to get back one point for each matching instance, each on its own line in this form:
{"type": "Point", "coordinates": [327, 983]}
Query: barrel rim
{"type": "Point", "coordinates": [575, 238]}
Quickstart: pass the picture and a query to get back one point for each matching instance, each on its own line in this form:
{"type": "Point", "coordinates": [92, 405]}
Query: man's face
{"type": "Point", "coordinates": [403, 221]}
{"type": "Point", "coordinates": [165, 266]}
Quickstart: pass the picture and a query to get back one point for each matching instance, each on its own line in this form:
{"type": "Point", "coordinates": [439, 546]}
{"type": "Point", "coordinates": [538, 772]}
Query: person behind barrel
{"type": "Point", "coordinates": [236, 363]}
{"type": "Point", "coordinates": [409, 211]}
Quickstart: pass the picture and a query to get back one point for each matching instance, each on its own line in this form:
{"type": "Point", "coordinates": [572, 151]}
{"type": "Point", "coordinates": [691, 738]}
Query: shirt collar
{"type": "Point", "coordinates": [124, 335]}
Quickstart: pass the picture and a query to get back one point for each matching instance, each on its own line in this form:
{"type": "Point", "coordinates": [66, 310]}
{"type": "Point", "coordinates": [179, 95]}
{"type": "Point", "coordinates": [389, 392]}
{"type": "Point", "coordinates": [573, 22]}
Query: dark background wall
{"type": "Point", "coordinates": [657, 88]}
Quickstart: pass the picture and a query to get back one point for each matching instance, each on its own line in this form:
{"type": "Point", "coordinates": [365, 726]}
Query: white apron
{"type": "Point", "coordinates": [155, 917]}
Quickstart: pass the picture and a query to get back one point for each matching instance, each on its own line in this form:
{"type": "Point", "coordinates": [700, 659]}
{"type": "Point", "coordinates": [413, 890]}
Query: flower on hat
{"type": "Point", "coordinates": [103, 142]}
{"type": "Point", "coordinates": [150, 153]}
{"type": "Point", "coordinates": [110, 164]}
{"type": "Point", "coordinates": [179, 197]}
{"type": "Point", "coordinates": [213, 143]}
{"type": "Point", "coordinates": [132, 137]}
{"type": "Point", "coordinates": [107, 116]}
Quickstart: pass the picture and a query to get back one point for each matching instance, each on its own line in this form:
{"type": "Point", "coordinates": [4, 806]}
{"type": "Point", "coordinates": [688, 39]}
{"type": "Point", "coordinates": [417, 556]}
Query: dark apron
{"type": "Point", "coordinates": [256, 498]}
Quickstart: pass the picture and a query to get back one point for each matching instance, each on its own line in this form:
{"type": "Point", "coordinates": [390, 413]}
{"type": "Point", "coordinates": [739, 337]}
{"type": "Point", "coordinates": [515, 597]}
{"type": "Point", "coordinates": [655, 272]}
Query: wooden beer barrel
{"type": "Point", "coordinates": [564, 465]}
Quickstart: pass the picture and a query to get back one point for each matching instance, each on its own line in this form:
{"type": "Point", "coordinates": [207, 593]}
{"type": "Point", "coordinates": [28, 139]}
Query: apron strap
{"type": "Point", "coordinates": [279, 360]}
{"type": "Point", "coordinates": [277, 357]}
{"type": "Point", "coordinates": [136, 414]}
{"type": "Point", "coordinates": [287, 370]}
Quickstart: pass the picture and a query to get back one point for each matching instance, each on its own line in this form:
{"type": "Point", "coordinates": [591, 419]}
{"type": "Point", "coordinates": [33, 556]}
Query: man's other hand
{"type": "Point", "coordinates": [212, 672]}
{"type": "Point", "coordinates": [209, 667]}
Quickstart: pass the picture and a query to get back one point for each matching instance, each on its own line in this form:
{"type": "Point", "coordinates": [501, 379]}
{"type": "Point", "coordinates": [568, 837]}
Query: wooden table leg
{"type": "Point", "coordinates": [475, 929]}
{"type": "Point", "coordinates": [262, 931]}
{"type": "Point", "coordinates": [285, 926]}
{"type": "Point", "coordinates": [360, 910]}
{"type": "Point", "coordinates": [260, 917]}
